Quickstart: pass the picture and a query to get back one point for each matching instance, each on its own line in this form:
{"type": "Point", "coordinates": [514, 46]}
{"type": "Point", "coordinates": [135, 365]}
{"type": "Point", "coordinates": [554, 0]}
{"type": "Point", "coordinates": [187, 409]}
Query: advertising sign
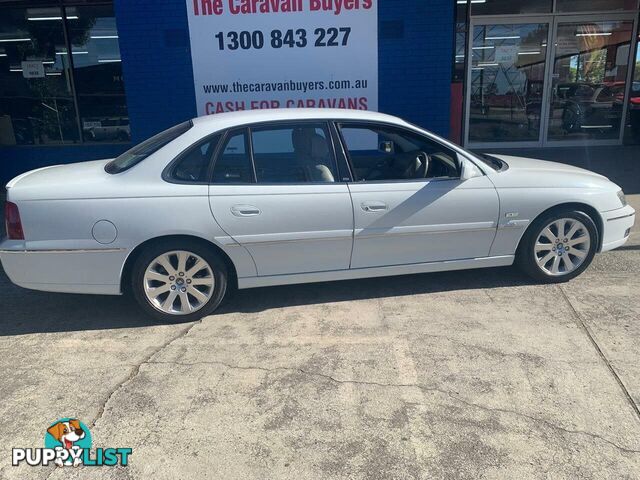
{"type": "Point", "coordinates": [256, 54]}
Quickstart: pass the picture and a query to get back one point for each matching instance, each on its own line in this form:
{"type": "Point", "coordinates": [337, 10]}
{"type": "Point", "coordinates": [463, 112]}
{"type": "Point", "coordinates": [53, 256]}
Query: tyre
{"type": "Point", "coordinates": [558, 246]}
{"type": "Point", "coordinates": [179, 281]}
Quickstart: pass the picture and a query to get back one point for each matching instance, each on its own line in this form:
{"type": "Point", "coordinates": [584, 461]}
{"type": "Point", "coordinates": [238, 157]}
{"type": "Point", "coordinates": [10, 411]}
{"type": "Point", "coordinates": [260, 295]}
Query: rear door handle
{"type": "Point", "coordinates": [245, 210]}
{"type": "Point", "coordinates": [374, 206]}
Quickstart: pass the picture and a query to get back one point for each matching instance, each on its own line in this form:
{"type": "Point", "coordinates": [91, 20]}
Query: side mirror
{"type": "Point", "coordinates": [468, 170]}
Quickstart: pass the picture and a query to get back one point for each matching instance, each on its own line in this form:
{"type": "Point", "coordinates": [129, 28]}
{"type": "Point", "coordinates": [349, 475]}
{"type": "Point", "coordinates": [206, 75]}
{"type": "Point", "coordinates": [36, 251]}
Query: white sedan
{"type": "Point", "coordinates": [277, 197]}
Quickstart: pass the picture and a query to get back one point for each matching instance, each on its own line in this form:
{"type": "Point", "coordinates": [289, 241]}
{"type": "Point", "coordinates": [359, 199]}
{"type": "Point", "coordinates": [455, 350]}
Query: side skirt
{"type": "Point", "coordinates": [469, 263]}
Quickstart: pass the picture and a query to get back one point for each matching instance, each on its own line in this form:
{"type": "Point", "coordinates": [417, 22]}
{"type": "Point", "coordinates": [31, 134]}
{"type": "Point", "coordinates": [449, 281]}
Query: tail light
{"type": "Point", "coordinates": [12, 221]}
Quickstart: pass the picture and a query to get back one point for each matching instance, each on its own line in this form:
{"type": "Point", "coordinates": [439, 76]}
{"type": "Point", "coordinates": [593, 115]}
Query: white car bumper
{"type": "Point", "coordinates": [617, 227]}
{"type": "Point", "coordinates": [72, 271]}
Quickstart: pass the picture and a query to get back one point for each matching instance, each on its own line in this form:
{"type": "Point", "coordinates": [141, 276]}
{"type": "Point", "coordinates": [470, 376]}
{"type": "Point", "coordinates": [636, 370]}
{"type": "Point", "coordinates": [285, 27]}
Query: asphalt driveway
{"type": "Point", "coordinates": [476, 374]}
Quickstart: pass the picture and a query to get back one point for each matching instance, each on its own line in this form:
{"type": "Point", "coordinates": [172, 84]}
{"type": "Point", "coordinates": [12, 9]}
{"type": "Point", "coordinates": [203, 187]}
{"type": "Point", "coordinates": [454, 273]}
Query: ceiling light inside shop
{"type": "Point", "coordinates": [15, 69]}
{"type": "Point", "coordinates": [42, 19]}
{"type": "Point", "coordinates": [488, 47]}
{"type": "Point", "coordinates": [594, 34]}
{"type": "Point", "coordinates": [15, 39]}
{"type": "Point", "coordinates": [109, 60]}
{"type": "Point", "coordinates": [505, 37]}
{"type": "Point", "coordinates": [103, 37]}
{"type": "Point", "coordinates": [532, 52]}
{"type": "Point", "coordinates": [464, 2]}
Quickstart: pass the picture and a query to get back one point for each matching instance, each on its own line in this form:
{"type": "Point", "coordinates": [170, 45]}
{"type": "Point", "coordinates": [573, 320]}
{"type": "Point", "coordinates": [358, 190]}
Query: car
{"type": "Point", "coordinates": [275, 197]}
{"type": "Point", "coordinates": [591, 106]}
{"type": "Point", "coordinates": [107, 129]}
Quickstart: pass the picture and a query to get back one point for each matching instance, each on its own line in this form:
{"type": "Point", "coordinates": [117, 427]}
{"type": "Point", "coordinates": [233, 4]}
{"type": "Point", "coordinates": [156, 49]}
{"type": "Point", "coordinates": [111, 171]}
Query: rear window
{"type": "Point", "coordinates": [141, 151]}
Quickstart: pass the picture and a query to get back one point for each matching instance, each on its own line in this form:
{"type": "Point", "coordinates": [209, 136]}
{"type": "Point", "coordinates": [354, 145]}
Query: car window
{"type": "Point", "coordinates": [605, 95]}
{"type": "Point", "coordinates": [293, 153]}
{"type": "Point", "coordinates": [233, 164]}
{"type": "Point", "coordinates": [379, 153]}
{"type": "Point", "coordinates": [141, 151]}
{"type": "Point", "coordinates": [194, 164]}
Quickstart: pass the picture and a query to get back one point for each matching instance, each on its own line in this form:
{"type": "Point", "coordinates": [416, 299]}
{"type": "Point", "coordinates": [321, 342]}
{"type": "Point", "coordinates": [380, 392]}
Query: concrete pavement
{"type": "Point", "coordinates": [464, 375]}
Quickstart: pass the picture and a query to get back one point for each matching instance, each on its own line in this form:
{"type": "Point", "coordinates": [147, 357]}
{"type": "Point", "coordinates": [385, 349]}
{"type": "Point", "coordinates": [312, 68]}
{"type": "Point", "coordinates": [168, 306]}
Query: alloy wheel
{"type": "Point", "coordinates": [178, 282]}
{"type": "Point", "coordinates": [562, 246]}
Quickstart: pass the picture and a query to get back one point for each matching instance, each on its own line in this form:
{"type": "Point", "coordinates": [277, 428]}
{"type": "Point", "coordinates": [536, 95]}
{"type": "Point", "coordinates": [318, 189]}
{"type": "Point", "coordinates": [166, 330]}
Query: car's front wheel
{"type": "Point", "coordinates": [179, 280]}
{"type": "Point", "coordinates": [559, 246]}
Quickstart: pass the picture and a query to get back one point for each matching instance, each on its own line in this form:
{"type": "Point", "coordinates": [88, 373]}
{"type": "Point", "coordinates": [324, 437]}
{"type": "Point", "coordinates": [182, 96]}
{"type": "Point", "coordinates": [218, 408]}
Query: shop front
{"type": "Point", "coordinates": [541, 74]}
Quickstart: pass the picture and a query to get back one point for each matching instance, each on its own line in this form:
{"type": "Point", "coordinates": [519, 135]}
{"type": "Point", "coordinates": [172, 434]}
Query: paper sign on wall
{"type": "Point", "coordinates": [255, 54]}
{"type": "Point", "coordinates": [507, 55]}
{"type": "Point", "coordinates": [32, 69]}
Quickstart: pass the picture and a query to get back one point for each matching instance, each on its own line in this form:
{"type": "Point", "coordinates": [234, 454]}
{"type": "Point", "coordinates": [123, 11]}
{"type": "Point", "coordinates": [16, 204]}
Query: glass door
{"type": "Point", "coordinates": [590, 75]}
{"type": "Point", "coordinates": [506, 82]}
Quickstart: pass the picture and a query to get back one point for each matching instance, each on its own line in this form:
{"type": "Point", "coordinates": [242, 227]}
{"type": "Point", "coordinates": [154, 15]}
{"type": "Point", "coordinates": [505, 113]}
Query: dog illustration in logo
{"type": "Point", "coordinates": [67, 433]}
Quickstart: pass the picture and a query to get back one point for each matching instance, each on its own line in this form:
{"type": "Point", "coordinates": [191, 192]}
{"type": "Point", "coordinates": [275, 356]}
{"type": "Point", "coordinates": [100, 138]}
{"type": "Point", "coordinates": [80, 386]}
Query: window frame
{"type": "Point", "coordinates": [368, 124]}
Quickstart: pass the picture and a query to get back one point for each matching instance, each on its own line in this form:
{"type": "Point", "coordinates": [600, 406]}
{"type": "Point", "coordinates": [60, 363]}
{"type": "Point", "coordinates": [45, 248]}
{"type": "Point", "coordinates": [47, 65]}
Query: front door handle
{"type": "Point", "coordinates": [245, 210]}
{"type": "Point", "coordinates": [374, 206]}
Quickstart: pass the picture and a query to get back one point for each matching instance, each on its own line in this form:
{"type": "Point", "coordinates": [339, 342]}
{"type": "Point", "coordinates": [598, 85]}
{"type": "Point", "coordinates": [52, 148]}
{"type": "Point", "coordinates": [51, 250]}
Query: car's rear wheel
{"type": "Point", "coordinates": [559, 246]}
{"type": "Point", "coordinates": [179, 281]}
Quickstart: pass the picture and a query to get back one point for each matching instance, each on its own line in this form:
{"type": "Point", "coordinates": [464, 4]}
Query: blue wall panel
{"type": "Point", "coordinates": [415, 58]}
{"type": "Point", "coordinates": [415, 64]}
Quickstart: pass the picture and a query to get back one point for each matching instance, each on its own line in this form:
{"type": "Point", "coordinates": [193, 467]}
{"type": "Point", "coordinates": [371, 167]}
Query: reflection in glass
{"type": "Point", "coordinates": [36, 103]}
{"type": "Point", "coordinates": [501, 7]}
{"type": "Point", "coordinates": [461, 42]}
{"type": "Point", "coordinates": [589, 80]}
{"type": "Point", "coordinates": [595, 5]}
{"type": "Point", "coordinates": [98, 74]}
{"type": "Point", "coordinates": [507, 82]}
{"type": "Point", "coordinates": [632, 131]}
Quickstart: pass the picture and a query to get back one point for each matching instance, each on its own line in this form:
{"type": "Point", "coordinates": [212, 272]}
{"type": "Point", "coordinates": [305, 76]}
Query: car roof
{"type": "Point", "coordinates": [235, 119]}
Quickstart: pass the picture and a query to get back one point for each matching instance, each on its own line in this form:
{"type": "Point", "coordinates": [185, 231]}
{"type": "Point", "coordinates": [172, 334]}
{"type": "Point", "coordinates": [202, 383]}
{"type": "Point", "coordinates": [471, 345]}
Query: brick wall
{"type": "Point", "coordinates": [156, 60]}
{"type": "Point", "coordinates": [415, 60]}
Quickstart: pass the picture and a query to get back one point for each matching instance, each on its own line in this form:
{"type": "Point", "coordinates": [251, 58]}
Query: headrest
{"type": "Point", "coordinates": [319, 147]}
{"type": "Point", "coordinates": [301, 139]}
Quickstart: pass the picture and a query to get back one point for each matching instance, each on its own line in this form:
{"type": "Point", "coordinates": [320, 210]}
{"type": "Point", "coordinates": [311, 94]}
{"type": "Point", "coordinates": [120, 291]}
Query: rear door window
{"type": "Point", "coordinates": [233, 164]}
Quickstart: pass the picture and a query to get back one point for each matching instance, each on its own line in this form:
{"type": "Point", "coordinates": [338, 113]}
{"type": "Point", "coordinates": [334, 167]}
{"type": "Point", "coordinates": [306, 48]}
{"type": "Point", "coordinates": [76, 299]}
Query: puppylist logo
{"type": "Point", "coordinates": [67, 442]}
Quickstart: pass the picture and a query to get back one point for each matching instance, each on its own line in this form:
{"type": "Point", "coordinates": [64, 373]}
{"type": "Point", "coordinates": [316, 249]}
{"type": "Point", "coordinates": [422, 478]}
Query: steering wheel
{"type": "Point", "coordinates": [424, 160]}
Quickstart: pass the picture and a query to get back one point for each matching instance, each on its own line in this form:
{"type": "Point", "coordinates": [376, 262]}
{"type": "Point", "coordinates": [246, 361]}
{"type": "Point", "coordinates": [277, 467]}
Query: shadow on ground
{"type": "Point", "coordinates": [30, 311]}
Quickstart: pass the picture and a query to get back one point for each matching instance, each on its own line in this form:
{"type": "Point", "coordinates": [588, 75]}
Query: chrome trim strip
{"type": "Point", "coordinates": [360, 236]}
{"type": "Point", "coordinates": [70, 250]}
{"type": "Point", "coordinates": [620, 218]}
{"type": "Point", "coordinates": [289, 240]}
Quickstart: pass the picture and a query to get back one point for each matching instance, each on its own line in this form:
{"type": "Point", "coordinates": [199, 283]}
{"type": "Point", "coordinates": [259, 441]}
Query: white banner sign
{"type": "Point", "coordinates": [255, 54]}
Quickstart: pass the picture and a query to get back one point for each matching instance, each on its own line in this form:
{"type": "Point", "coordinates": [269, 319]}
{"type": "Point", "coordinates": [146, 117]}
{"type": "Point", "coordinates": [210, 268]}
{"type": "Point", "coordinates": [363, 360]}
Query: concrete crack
{"type": "Point", "coordinates": [600, 353]}
{"type": "Point", "coordinates": [136, 368]}
{"type": "Point", "coordinates": [419, 386]}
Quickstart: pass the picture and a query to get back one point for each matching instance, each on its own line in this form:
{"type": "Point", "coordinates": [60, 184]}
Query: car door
{"type": "Point", "coordinates": [276, 191]}
{"type": "Point", "coordinates": [409, 203]}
